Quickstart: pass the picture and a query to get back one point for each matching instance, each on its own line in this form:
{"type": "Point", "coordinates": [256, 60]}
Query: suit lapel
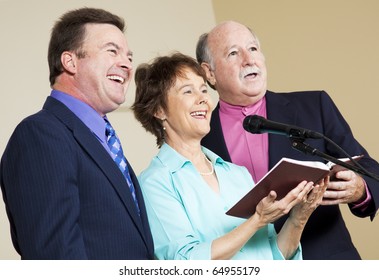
{"type": "Point", "coordinates": [216, 136]}
{"type": "Point", "coordinates": [92, 146]}
{"type": "Point", "coordinates": [279, 109]}
{"type": "Point", "coordinates": [141, 203]}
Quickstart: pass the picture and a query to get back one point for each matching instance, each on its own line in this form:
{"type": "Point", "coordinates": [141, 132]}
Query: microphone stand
{"type": "Point", "coordinates": [298, 144]}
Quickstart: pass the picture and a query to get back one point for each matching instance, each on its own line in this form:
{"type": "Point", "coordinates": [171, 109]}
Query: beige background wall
{"type": "Point", "coordinates": [323, 44]}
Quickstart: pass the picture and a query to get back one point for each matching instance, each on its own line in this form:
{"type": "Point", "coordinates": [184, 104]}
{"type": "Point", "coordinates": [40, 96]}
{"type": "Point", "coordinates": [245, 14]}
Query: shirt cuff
{"type": "Point", "coordinates": [365, 203]}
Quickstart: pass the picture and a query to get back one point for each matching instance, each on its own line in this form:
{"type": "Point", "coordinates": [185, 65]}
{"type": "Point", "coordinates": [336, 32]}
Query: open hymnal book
{"type": "Point", "coordinates": [282, 178]}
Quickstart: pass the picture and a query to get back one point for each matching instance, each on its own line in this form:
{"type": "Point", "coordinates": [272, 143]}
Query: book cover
{"type": "Point", "coordinates": [282, 178]}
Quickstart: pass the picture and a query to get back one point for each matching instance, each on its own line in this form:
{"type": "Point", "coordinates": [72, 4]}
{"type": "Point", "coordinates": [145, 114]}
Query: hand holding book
{"type": "Point", "coordinates": [282, 178]}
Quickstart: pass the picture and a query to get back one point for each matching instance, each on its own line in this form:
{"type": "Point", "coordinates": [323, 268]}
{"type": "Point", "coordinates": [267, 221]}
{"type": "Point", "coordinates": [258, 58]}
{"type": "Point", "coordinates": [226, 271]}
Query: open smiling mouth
{"type": "Point", "coordinates": [201, 114]}
{"type": "Point", "coordinates": [117, 79]}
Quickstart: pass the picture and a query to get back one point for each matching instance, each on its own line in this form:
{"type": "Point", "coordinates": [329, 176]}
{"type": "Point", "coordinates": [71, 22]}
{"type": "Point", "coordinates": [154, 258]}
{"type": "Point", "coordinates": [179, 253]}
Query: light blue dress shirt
{"type": "Point", "coordinates": [186, 215]}
{"type": "Point", "coordinates": [86, 114]}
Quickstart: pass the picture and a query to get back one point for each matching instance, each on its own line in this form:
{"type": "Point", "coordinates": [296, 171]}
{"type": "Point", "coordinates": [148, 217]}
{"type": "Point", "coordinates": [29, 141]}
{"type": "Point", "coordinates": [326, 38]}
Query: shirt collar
{"type": "Point", "coordinates": [84, 112]}
{"type": "Point", "coordinates": [175, 161]}
{"type": "Point", "coordinates": [253, 109]}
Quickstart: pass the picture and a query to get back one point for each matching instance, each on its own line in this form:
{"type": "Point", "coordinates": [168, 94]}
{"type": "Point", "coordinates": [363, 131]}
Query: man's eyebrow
{"type": "Point", "coordinates": [111, 44]}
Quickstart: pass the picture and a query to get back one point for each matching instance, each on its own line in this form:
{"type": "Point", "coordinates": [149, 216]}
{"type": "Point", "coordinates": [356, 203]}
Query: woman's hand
{"type": "Point", "coordinates": [302, 211]}
{"type": "Point", "coordinates": [269, 209]}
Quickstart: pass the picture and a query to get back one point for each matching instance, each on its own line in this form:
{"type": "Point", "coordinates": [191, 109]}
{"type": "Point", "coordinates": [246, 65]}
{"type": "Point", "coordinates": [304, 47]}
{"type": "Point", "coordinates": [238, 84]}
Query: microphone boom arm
{"type": "Point", "coordinates": [298, 144]}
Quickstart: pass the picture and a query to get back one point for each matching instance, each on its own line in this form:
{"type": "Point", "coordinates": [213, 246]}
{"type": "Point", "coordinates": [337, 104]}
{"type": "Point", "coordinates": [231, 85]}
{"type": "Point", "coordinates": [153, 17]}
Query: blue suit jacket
{"type": "Point", "coordinates": [64, 195]}
{"type": "Point", "coordinates": [325, 235]}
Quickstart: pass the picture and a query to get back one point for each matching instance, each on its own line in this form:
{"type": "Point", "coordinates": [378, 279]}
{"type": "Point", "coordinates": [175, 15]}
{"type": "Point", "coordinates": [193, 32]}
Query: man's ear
{"type": "Point", "coordinates": [209, 72]}
{"type": "Point", "coordinates": [68, 60]}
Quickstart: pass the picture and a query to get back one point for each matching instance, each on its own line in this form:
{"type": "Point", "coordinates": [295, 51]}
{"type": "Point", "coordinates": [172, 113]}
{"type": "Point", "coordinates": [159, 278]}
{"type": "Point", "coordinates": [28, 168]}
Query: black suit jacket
{"type": "Point", "coordinates": [325, 235]}
{"type": "Point", "coordinates": [64, 195]}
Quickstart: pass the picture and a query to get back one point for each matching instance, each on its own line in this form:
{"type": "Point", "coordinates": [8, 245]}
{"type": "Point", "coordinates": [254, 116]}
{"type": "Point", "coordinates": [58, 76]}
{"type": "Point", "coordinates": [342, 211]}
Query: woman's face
{"type": "Point", "coordinates": [189, 108]}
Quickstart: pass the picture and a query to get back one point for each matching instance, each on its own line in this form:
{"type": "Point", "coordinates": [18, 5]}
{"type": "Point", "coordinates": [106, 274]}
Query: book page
{"type": "Point", "coordinates": [314, 164]}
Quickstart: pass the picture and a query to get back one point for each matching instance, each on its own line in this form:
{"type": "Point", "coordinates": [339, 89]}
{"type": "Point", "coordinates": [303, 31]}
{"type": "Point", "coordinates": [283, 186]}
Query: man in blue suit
{"type": "Point", "coordinates": [231, 55]}
{"type": "Point", "coordinates": [65, 196]}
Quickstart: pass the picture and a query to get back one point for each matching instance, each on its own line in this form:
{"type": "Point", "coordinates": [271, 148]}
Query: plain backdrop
{"type": "Point", "coordinates": [329, 45]}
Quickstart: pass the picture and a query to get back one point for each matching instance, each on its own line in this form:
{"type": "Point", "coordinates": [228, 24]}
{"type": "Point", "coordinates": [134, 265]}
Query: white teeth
{"type": "Point", "coordinates": [198, 113]}
{"type": "Point", "coordinates": [116, 78]}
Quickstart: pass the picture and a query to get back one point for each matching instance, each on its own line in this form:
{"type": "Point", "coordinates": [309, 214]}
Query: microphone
{"type": "Point", "coordinates": [256, 124]}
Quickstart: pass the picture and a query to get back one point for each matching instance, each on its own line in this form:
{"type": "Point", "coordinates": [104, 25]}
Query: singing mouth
{"type": "Point", "coordinates": [116, 78]}
{"type": "Point", "coordinates": [201, 114]}
{"type": "Point", "coordinates": [250, 72]}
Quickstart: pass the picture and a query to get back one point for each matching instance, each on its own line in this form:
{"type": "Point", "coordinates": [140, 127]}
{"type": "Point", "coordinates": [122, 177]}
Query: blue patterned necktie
{"type": "Point", "coordinates": [114, 145]}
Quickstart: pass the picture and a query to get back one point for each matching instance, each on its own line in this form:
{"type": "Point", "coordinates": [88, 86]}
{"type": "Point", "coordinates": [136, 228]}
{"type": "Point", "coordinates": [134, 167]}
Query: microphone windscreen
{"type": "Point", "coordinates": [252, 123]}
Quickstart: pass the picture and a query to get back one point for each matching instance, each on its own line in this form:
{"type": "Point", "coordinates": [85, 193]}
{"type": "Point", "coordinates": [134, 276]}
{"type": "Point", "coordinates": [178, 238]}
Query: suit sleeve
{"type": "Point", "coordinates": [338, 130]}
{"type": "Point", "coordinates": [41, 192]}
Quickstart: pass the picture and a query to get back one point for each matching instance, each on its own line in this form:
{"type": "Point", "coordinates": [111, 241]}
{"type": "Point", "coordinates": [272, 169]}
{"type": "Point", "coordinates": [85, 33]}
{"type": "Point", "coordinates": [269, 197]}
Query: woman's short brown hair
{"type": "Point", "coordinates": [153, 81]}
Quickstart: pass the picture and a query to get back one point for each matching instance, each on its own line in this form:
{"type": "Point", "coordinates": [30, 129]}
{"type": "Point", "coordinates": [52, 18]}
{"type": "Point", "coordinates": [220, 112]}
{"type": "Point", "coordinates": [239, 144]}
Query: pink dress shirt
{"type": "Point", "coordinates": [239, 141]}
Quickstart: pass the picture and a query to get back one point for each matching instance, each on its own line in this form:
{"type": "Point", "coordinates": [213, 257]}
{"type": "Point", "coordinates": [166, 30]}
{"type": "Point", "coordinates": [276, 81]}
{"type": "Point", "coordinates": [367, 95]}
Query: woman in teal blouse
{"type": "Point", "coordinates": [187, 188]}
